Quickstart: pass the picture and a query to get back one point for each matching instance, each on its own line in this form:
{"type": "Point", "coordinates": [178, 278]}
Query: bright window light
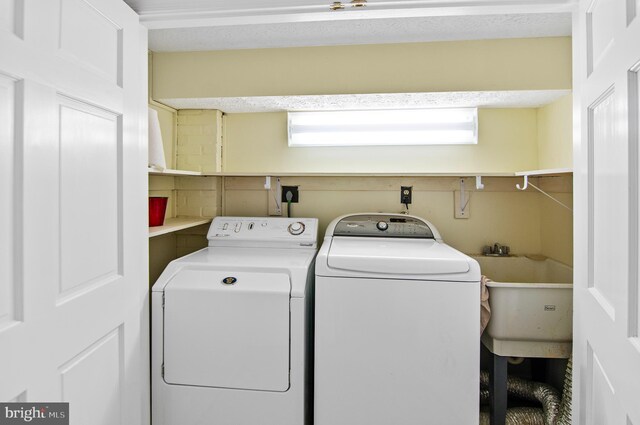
{"type": "Point", "coordinates": [384, 127]}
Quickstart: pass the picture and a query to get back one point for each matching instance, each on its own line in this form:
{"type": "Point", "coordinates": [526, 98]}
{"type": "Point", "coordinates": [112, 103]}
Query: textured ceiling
{"type": "Point", "coordinates": [371, 31]}
{"type": "Point", "coordinates": [501, 99]}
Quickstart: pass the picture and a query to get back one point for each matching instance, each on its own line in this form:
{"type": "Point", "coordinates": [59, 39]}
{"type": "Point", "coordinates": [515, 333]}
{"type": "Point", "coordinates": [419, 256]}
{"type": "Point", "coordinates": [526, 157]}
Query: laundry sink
{"type": "Point", "coordinates": [531, 300]}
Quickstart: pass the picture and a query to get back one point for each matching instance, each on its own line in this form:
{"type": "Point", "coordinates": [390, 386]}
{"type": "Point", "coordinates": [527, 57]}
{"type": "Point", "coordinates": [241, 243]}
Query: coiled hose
{"type": "Point", "coordinates": [554, 411]}
{"type": "Point", "coordinates": [565, 404]}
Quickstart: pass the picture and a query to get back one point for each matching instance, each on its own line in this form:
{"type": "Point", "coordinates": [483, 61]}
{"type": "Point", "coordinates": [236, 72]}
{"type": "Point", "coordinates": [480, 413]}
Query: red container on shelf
{"type": "Point", "coordinates": [157, 208]}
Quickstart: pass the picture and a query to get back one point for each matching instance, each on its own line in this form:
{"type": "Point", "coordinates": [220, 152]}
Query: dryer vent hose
{"type": "Point", "coordinates": [554, 411]}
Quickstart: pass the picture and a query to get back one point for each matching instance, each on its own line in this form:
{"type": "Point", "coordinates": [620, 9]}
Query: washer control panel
{"type": "Point", "coordinates": [382, 225]}
{"type": "Point", "coordinates": [263, 231]}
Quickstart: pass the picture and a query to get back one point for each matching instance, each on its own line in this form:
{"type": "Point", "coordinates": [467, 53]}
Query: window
{"type": "Point", "coordinates": [384, 127]}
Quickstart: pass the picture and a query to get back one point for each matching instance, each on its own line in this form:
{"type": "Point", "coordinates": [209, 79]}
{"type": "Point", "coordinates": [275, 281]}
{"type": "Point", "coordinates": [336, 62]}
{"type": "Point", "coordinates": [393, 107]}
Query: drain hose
{"type": "Point", "coordinates": [545, 394]}
{"type": "Point", "coordinates": [565, 404]}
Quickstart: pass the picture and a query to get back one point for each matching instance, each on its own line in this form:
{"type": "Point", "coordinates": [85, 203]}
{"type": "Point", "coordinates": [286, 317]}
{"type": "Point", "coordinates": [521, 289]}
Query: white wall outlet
{"type": "Point", "coordinates": [461, 204]}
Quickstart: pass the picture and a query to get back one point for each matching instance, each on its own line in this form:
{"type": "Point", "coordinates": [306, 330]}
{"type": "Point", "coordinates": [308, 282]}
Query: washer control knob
{"type": "Point", "coordinates": [296, 228]}
{"type": "Point", "coordinates": [382, 225]}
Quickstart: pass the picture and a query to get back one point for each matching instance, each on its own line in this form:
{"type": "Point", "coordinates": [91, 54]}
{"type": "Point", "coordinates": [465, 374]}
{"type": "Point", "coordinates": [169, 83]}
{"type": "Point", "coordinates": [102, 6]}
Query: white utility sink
{"type": "Point", "coordinates": [531, 300]}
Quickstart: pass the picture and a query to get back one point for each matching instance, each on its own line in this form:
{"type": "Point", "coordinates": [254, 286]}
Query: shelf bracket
{"type": "Point", "coordinates": [550, 197]}
{"type": "Point", "coordinates": [526, 183]}
{"type": "Point", "coordinates": [274, 197]}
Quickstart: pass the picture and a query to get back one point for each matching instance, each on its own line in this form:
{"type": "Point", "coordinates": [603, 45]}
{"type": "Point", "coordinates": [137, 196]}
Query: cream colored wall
{"type": "Point", "coordinates": [556, 222]}
{"type": "Point", "coordinates": [500, 213]}
{"type": "Point", "coordinates": [555, 134]}
{"type": "Point", "coordinates": [164, 186]}
{"type": "Point", "coordinates": [191, 240]}
{"type": "Point", "coordinates": [188, 196]}
{"type": "Point", "coordinates": [510, 140]}
{"type": "Point", "coordinates": [198, 196]}
{"type": "Point", "coordinates": [199, 140]}
{"type": "Point", "coordinates": [166, 248]}
{"type": "Point", "coordinates": [258, 143]}
{"type": "Point", "coordinates": [162, 250]}
{"type": "Point", "coordinates": [497, 213]}
{"type": "Point", "coordinates": [508, 64]}
{"type": "Point", "coordinates": [192, 141]}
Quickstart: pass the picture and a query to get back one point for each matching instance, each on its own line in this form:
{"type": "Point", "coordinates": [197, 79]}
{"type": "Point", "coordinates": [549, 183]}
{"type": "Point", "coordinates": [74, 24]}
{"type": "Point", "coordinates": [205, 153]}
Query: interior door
{"type": "Point", "coordinates": [606, 343]}
{"type": "Point", "coordinates": [72, 208]}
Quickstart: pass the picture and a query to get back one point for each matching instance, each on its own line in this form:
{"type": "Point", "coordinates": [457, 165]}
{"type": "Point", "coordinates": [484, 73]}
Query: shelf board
{"type": "Point", "coordinates": [174, 224]}
{"type": "Point", "coordinates": [170, 172]}
{"type": "Point", "coordinates": [545, 172]}
{"type": "Point", "coordinates": [329, 174]}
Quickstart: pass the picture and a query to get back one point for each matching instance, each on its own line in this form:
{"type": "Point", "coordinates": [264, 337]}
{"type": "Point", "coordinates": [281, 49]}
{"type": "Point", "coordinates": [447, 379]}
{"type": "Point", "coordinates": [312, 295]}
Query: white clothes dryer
{"type": "Point", "coordinates": [397, 325]}
{"type": "Point", "coordinates": [231, 326]}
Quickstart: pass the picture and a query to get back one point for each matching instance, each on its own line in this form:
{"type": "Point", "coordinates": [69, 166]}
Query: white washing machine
{"type": "Point", "coordinates": [231, 327]}
{"type": "Point", "coordinates": [397, 325]}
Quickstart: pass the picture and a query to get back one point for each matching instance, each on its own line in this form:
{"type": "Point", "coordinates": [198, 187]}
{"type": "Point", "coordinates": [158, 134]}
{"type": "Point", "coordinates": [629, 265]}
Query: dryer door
{"type": "Point", "coordinates": [227, 329]}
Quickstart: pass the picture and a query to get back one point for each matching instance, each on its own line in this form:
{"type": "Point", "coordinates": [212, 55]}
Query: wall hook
{"type": "Point", "coordinates": [479, 185]}
{"type": "Point", "coordinates": [526, 183]}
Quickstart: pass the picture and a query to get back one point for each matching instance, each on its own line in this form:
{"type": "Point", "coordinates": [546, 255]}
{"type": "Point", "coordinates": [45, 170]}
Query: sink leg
{"type": "Point", "coordinates": [539, 369]}
{"type": "Point", "coordinates": [498, 390]}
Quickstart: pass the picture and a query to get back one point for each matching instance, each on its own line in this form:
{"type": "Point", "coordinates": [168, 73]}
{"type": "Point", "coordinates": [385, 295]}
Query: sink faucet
{"type": "Point", "coordinates": [497, 250]}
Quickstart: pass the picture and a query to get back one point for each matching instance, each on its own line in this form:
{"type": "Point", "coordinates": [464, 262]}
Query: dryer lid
{"type": "Point", "coordinates": [227, 329]}
{"type": "Point", "coordinates": [395, 256]}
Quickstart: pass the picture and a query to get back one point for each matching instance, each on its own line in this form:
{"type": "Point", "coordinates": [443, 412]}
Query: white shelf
{"type": "Point", "coordinates": [170, 172]}
{"type": "Point", "coordinates": [545, 172]}
{"type": "Point", "coordinates": [329, 174]}
{"type": "Point", "coordinates": [177, 223]}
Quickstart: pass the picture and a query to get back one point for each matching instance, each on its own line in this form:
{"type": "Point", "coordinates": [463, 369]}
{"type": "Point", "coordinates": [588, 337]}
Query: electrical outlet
{"type": "Point", "coordinates": [294, 192]}
{"type": "Point", "coordinates": [405, 194]}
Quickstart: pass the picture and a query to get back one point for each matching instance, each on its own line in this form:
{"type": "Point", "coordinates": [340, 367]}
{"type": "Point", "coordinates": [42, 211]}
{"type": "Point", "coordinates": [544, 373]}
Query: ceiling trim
{"type": "Point", "coordinates": [206, 17]}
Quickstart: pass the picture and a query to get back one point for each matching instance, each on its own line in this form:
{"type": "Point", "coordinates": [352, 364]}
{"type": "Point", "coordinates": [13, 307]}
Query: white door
{"type": "Point", "coordinates": [73, 230]}
{"type": "Point", "coordinates": [606, 343]}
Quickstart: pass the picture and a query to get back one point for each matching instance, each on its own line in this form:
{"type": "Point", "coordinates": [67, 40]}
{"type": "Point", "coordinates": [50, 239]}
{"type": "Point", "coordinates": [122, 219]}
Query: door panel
{"type": "Point", "coordinates": [82, 28]}
{"type": "Point", "coordinates": [608, 160]}
{"type": "Point", "coordinates": [102, 400]}
{"type": "Point", "coordinates": [600, 29]}
{"type": "Point", "coordinates": [633, 6]}
{"type": "Point", "coordinates": [602, 403]}
{"type": "Point", "coordinates": [11, 14]}
{"type": "Point", "coordinates": [607, 219]}
{"type": "Point", "coordinates": [227, 336]}
{"type": "Point", "coordinates": [89, 195]}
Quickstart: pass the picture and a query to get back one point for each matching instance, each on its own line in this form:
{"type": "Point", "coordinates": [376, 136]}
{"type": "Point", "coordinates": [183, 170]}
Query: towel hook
{"type": "Point", "coordinates": [526, 183]}
{"type": "Point", "coordinates": [479, 184]}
